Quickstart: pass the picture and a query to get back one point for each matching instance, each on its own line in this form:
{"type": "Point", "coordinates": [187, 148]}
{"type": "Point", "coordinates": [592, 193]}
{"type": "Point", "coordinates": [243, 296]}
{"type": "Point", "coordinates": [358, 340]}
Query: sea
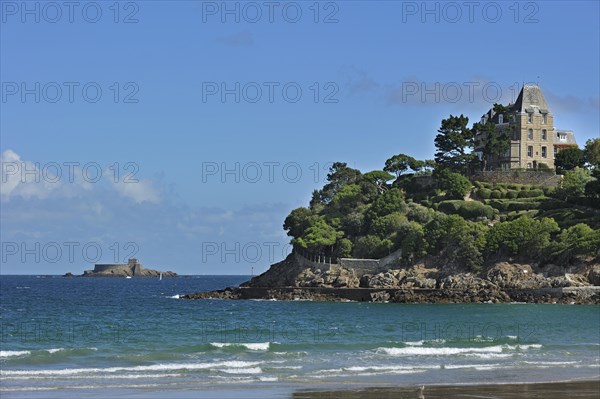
{"type": "Point", "coordinates": [117, 337]}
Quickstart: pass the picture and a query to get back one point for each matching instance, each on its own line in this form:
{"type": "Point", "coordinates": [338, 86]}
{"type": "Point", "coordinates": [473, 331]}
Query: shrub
{"type": "Point", "coordinates": [520, 236]}
{"type": "Point", "coordinates": [484, 193]}
{"type": "Point", "coordinates": [496, 194]}
{"type": "Point", "coordinates": [536, 192]}
{"type": "Point", "coordinates": [467, 209]}
{"type": "Point", "coordinates": [517, 214]}
{"type": "Point", "coordinates": [419, 213]}
{"type": "Point", "coordinates": [455, 185]}
{"type": "Point", "coordinates": [498, 204]}
{"type": "Point", "coordinates": [372, 247]}
{"type": "Point", "coordinates": [522, 206]}
{"type": "Point", "coordinates": [579, 239]}
{"type": "Point", "coordinates": [548, 191]}
{"type": "Point", "coordinates": [512, 194]}
{"type": "Point", "coordinates": [531, 193]}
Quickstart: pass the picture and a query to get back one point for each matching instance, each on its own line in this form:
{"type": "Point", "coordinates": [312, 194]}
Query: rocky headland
{"type": "Point", "coordinates": [133, 268]}
{"type": "Point", "coordinates": [425, 282]}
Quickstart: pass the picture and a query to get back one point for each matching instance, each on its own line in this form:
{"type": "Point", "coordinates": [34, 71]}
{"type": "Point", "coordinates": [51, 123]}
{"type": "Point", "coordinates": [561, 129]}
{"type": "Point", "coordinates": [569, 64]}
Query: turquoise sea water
{"type": "Point", "coordinates": [84, 336]}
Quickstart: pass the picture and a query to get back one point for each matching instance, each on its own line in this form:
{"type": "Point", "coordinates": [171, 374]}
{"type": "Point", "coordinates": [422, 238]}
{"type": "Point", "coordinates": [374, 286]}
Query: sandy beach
{"type": "Point", "coordinates": [548, 390]}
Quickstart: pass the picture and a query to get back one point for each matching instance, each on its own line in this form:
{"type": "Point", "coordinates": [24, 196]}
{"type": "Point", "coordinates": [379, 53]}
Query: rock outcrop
{"type": "Point", "coordinates": [499, 283]}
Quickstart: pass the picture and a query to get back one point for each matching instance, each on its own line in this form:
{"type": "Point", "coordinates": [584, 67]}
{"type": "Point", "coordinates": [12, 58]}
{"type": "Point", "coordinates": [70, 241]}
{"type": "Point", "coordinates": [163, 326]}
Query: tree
{"type": "Point", "coordinates": [592, 157]}
{"type": "Point", "coordinates": [592, 153]}
{"type": "Point", "coordinates": [399, 164]}
{"type": "Point", "coordinates": [493, 143]}
{"type": "Point", "coordinates": [379, 178]}
{"type": "Point", "coordinates": [343, 248]}
{"type": "Point", "coordinates": [339, 175]}
{"type": "Point", "coordinates": [298, 221]}
{"type": "Point", "coordinates": [573, 183]}
{"type": "Point", "coordinates": [569, 159]}
{"type": "Point", "coordinates": [455, 185]}
{"type": "Point", "coordinates": [411, 239]}
{"type": "Point", "coordinates": [318, 237]}
{"type": "Point", "coordinates": [372, 247]}
{"type": "Point", "coordinates": [390, 201]}
{"type": "Point", "coordinates": [345, 200]}
{"type": "Point", "coordinates": [385, 225]}
{"type": "Point", "coordinates": [520, 236]}
{"type": "Point", "coordinates": [579, 239]}
{"type": "Point", "coordinates": [456, 240]}
{"type": "Point", "coordinates": [454, 143]}
{"type": "Point", "coordinates": [592, 188]}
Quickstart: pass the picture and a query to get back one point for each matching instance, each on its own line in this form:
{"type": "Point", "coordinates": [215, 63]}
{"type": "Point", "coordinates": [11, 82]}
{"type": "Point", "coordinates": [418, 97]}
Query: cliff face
{"type": "Point", "coordinates": [421, 283]}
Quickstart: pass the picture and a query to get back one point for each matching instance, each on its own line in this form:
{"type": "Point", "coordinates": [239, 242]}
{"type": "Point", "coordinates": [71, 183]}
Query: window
{"type": "Point", "coordinates": [555, 151]}
{"type": "Point", "coordinates": [530, 117]}
{"type": "Point", "coordinates": [530, 151]}
{"type": "Point", "coordinates": [507, 153]}
{"type": "Point", "coordinates": [544, 118]}
{"type": "Point", "coordinates": [563, 137]}
{"type": "Point", "coordinates": [528, 165]}
{"type": "Point", "coordinates": [544, 134]}
{"type": "Point", "coordinates": [530, 134]}
{"type": "Point", "coordinates": [500, 118]}
{"type": "Point", "coordinates": [544, 152]}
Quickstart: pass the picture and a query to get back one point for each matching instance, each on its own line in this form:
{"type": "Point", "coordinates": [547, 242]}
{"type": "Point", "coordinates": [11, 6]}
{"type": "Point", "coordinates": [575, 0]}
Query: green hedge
{"type": "Point", "coordinates": [484, 193]}
{"type": "Point", "coordinates": [531, 193]}
{"type": "Point", "coordinates": [467, 209]}
{"type": "Point", "coordinates": [522, 206]}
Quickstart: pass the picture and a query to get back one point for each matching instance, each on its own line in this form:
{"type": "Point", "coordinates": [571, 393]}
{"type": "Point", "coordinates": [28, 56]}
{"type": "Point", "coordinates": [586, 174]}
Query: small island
{"type": "Point", "coordinates": [133, 268]}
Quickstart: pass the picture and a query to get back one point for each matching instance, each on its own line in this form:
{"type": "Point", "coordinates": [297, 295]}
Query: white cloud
{"type": "Point", "coordinates": [141, 191]}
{"type": "Point", "coordinates": [24, 178]}
{"type": "Point", "coordinates": [29, 180]}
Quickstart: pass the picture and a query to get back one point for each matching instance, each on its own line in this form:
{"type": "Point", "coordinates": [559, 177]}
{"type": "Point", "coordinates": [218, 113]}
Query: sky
{"type": "Point", "coordinates": [183, 133]}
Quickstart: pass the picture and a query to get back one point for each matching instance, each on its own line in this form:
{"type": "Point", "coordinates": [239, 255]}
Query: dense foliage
{"type": "Point", "coordinates": [431, 209]}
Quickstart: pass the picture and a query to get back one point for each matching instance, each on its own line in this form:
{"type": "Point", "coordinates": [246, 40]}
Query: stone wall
{"type": "Point", "coordinates": [360, 266]}
{"type": "Point", "coordinates": [518, 177]}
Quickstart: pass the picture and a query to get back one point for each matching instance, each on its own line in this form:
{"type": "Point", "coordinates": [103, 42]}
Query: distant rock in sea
{"type": "Point", "coordinates": [133, 268]}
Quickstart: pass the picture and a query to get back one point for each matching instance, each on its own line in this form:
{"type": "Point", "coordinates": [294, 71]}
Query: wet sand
{"type": "Point", "coordinates": [549, 390]}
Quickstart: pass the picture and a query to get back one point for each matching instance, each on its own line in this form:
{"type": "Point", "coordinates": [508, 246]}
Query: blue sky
{"type": "Point", "coordinates": [222, 117]}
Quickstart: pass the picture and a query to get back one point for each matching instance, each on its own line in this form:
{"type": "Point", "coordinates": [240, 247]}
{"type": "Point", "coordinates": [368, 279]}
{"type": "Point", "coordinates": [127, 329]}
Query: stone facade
{"type": "Point", "coordinates": [530, 126]}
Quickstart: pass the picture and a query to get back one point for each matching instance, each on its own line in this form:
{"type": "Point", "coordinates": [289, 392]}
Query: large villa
{"type": "Point", "coordinates": [530, 125]}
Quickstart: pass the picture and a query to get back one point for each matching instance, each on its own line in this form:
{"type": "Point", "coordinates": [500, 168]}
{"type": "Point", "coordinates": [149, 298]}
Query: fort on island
{"type": "Point", "coordinates": [133, 268]}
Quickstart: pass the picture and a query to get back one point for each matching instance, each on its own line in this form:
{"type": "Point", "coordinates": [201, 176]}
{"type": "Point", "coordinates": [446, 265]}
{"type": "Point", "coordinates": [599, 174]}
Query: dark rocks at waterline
{"type": "Point", "coordinates": [503, 282]}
